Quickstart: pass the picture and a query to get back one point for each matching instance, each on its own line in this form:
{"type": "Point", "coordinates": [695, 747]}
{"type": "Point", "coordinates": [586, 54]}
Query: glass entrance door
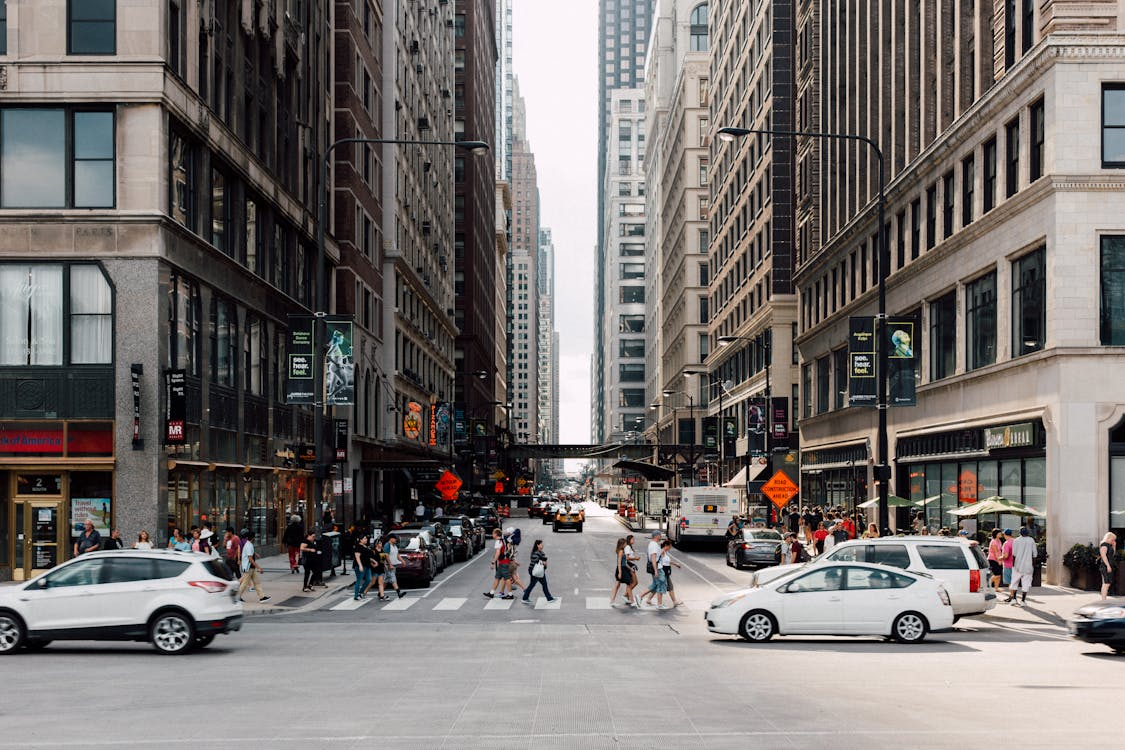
{"type": "Point", "coordinates": [40, 543]}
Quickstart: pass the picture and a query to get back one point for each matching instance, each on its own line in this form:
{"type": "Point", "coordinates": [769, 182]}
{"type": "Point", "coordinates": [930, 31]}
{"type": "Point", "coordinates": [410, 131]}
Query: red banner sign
{"type": "Point", "coordinates": [31, 441]}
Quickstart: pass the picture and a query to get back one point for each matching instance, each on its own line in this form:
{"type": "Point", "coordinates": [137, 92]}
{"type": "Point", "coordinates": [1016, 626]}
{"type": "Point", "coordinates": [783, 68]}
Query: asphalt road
{"type": "Point", "coordinates": [454, 670]}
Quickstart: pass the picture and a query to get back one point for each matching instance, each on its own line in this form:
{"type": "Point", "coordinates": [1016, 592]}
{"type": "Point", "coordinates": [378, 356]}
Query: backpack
{"type": "Point", "coordinates": [803, 555]}
{"type": "Point", "coordinates": [516, 536]}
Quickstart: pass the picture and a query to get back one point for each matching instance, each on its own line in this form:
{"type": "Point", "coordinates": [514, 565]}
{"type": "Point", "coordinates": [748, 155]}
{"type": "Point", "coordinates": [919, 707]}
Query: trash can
{"type": "Point", "coordinates": [333, 538]}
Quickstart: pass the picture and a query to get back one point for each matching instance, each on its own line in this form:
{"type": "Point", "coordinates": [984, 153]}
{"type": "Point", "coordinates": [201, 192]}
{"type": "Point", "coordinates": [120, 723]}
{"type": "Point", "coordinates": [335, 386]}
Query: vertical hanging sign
{"type": "Point", "coordinates": [861, 360]}
{"type": "Point", "coordinates": [340, 441]}
{"type": "Point", "coordinates": [339, 366]}
{"type": "Point", "coordinates": [901, 361]}
{"type": "Point", "coordinates": [135, 372]}
{"type": "Point", "coordinates": [299, 387]}
{"type": "Point", "coordinates": [175, 407]}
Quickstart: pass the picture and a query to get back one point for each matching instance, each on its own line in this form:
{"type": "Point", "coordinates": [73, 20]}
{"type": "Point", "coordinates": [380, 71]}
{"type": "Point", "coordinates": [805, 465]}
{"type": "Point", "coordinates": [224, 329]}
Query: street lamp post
{"type": "Point", "coordinates": [711, 383]}
{"type": "Point", "coordinates": [321, 311]}
{"type": "Point", "coordinates": [882, 469]}
{"type": "Point", "coordinates": [691, 416]}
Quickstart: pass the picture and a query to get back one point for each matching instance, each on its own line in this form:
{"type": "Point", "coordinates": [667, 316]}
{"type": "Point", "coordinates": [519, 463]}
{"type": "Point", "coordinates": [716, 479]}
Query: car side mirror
{"type": "Point", "coordinates": [43, 583]}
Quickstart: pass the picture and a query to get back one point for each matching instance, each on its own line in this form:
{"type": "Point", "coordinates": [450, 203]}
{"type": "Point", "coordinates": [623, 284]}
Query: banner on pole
{"type": "Point", "coordinates": [902, 359]}
{"type": "Point", "coordinates": [339, 367]}
{"type": "Point", "coordinates": [861, 361]}
{"type": "Point", "coordinates": [299, 377]}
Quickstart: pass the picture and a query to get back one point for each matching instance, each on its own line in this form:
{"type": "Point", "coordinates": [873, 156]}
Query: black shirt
{"type": "Point", "coordinates": [89, 542]}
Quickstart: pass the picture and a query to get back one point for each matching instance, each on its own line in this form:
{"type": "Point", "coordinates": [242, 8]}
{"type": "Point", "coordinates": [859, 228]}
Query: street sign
{"type": "Point", "coordinates": [779, 489]}
{"type": "Point", "coordinates": [448, 485]}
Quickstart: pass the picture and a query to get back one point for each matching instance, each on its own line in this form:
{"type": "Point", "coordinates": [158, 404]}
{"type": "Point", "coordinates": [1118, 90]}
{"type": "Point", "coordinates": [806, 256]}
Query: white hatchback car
{"type": "Point", "coordinates": [851, 599]}
{"type": "Point", "coordinates": [957, 563]}
{"type": "Point", "coordinates": [175, 600]}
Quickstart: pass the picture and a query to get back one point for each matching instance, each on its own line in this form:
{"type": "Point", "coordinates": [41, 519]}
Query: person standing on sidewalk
{"type": "Point", "coordinates": [1006, 559]}
{"type": "Point", "coordinates": [1023, 566]}
{"type": "Point", "coordinates": [362, 567]}
{"type": "Point", "coordinates": [310, 559]}
{"type": "Point", "coordinates": [251, 570]}
{"type": "Point", "coordinates": [995, 550]}
{"type": "Point", "coordinates": [1107, 561]}
{"type": "Point", "coordinates": [294, 534]}
{"type": "Point", "coordinates": [390, 550]}
{"type": "Point", "coordinates": [537, 569]}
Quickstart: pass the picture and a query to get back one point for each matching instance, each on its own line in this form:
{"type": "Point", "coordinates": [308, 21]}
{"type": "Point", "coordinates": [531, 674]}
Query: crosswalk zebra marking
{"type": "Point", "coordinates": [499, 604]}
{"type": "Point", "coordinates": [403, 603]}
{"type": "Point", "coordinates": [450, 603]}
{"type": "Point", "coordinates": [542, 603]}
{"type": "Point", "coordinates": [349, 603]}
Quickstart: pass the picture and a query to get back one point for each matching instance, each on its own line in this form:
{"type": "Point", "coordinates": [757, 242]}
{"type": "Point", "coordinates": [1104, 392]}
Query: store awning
{"type": "Point", "coordinates": [738, 481]}
{"type": "Point", "coordinates": [646, 470]}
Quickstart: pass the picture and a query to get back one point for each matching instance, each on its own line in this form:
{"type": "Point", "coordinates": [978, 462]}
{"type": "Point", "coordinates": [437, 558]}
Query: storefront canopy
{"type": "Point", "coordinates": [646, 470]}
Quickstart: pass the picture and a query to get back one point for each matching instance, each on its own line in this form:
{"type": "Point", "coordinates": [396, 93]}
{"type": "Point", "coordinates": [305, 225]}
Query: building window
{"type": "Point", "coordinates": [822, 385]}
{"type": "Point", "coordinates": [943, 336]}
{"type": "Point", "coordinates": [915, 228]}
{"type": "Point", "coordinates": [980, 321]}
{"type": "Point", "coordinates": [931, 216]}
{"type": "Point", "coordinates": [947, 198]}
{"type": "Point", "coordinates": [1029, 310]}
{"type": "Point", "coordinates": [3, 27]}
{"type": "Point", "coordinates": [1113, 125]}
{"type": "Point", "coordinates": [631, 348]}
{"type": "Point", "coordinates": [632, 271]}
{"type": "Point", "coordinates": [840, 376]}
{"type": "Point", "coordinates": [224, 342]}
{"type": "Point", "coordinates": [703, 165]}
{"type": "Point", "coordinates": [1009, 33]}
{"type": "Point", "coordinates": [1028, 24]}
{"type": "Point", "coordinates": [632, 324]}
{"type": "Point", "coordinates": [989, 175]}
{"type": "Point", "coordinates": [968, 184]}
{"type": "Point", "coordinates": [181, 169]}
{"type": "Point", "coordinates": [55, 158]}
{"type": "Point", "coordinates": [35, 316]}
{"type": "Point", "coordinates": [703, 316]}
{"type": "Point", "coordinates": [184, 321]}
{"type": "Point", "coordinates": [632, 294]}
{"type": "Point", "coordinates": [91, 27]}
{"type": "Point", "coordinates": [900, 238]}
{"type": "Point", "coordinates": [1038, 139]}
{"type": "Point", "coordinates": [1113, 290]}
{"type": "Point", "coordinates": [806, 390]}
{"type": "Point", "coordinates": [219, 207]}
{"type": "Point", "coordinates": [632, 398]}
{"type": "Point", "coordinates": [631, 373]}
{"type": "Point", "coordinates": [698, 28]}
{"type": "Point", "coordinates": [177, 39]}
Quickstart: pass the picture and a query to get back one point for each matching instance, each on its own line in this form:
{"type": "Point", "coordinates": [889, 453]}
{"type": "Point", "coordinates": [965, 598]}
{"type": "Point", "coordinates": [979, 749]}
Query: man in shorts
{"type": "Point", "coordinates": [1023, 567]}
{"type": "Point", "coordinates": [390, 549]}
{"type": "Point", "coordinates": [501, 567]}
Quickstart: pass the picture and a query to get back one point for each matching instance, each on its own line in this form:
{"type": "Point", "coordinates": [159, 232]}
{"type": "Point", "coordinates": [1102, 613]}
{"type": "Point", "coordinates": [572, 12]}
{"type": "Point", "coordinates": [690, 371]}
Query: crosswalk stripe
{"type": "Point", "coordinates": [403, 603]}
{"type": "Point", "coordinates": [499, 604]}
{"type": "Point", "coordinates": [350, 603]}
{"type": "Point", "coordinates": [542, 603]}
{"type": "Point", "coordinates": [450, 603]}
{"type": "Point", "coordinates": [598, 602]}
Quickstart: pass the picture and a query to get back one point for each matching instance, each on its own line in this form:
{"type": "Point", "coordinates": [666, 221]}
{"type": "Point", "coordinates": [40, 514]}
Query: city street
{"type": "Point", "coordinates": [445, 667]}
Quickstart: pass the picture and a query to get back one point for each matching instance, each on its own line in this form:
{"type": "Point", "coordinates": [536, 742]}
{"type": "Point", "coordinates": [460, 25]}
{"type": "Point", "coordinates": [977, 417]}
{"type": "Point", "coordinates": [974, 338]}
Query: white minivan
{"type": "Point", "coordinates": [956, 562]}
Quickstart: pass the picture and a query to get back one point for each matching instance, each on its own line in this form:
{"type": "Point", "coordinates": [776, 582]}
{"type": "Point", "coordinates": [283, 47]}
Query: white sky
{"type": "Point", "coordinates": [554, 50]}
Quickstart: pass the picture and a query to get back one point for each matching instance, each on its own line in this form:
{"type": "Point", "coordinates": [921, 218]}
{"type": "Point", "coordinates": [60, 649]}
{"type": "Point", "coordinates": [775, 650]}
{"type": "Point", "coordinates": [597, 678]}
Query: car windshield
{"type": "Point", "coordinates": [408, 543]}
{"type": "Point", "coordinates": [761, 535]}
{"type": "Point", "coordinates": [455, 531]}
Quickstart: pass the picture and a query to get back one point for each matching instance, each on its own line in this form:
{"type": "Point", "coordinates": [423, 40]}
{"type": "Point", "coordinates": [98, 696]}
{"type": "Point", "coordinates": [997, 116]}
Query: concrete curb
{"type": "Point", "coordinates": [311, 606]}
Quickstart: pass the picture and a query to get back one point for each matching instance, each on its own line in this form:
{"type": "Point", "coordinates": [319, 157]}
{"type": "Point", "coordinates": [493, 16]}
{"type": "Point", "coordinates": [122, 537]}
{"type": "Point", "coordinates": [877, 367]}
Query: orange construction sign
{"type": "Point", "coordinates": [448, 485]}
{"type": "Point", "coordinates": [779, 489]}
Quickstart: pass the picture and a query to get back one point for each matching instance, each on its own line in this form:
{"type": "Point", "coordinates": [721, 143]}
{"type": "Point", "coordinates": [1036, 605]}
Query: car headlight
{"type": "Point", "coordinates": [1108, 613]}
{"type": "Point", "coordinates": [727, 602]}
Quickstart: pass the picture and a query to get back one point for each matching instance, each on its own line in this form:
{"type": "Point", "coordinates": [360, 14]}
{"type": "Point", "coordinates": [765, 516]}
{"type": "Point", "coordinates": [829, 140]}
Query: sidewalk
{"type": "Point", "coordinates": [1052, 605]}
{"type": "Point", "coordinates": [284, 588]}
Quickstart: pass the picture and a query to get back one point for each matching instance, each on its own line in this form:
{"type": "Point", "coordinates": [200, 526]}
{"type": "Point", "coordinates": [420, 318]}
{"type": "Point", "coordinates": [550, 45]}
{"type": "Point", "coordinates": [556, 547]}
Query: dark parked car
{"type": "Point", "coordinates": [439, 542]}
{"type": "Point", "coordinates": [488, 519]}
{"type": "Point", "coordinates": [753, 548]}
{"type": "Point", "coordinates": [1102, 623]}
{"type": "Point", "coordinates": [417, 558]}
{"type": "Point", "coordinates": [462, 535]}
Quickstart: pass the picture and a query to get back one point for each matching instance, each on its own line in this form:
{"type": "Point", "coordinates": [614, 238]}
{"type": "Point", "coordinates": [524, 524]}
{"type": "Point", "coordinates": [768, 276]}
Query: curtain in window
{"type": "Point", "coordinates": [45, 301]}
{"type": "Point", "coordinates": [13, 315]}
{"type": "Point", "coordinates": [91, 321]}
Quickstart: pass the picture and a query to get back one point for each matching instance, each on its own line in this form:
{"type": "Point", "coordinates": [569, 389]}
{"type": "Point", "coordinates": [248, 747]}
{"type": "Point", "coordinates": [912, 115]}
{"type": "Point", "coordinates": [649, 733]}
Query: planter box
{"type": "Point", "coordinates": [1119, 581]}
{"type": "Point", "coordinates": [1085, 579]}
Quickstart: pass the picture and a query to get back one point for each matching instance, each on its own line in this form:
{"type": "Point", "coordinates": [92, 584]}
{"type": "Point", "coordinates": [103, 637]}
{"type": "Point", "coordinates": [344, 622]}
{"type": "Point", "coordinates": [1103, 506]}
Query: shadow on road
{"type": "Point", "coordinates": [859, 646]}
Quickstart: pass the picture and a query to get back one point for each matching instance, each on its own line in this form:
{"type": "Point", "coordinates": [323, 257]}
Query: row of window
{"type": "Point", "coordinates": [55, 314]}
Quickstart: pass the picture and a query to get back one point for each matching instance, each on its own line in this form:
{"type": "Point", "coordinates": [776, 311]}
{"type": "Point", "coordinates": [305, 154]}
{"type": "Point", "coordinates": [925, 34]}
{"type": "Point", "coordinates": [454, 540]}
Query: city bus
{"type": "Point", "coordinates": [701, 515]}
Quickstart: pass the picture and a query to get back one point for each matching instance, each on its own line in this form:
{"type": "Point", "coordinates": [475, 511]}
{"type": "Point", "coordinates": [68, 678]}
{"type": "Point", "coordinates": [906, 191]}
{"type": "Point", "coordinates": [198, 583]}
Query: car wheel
{"type": "Point", "coordinates": [729, 563]}
{"type": "Point", "coordinates": [172, 633]}
{"type": "Point", "coordinates": [12, 634]}
{"type": "Point", "coordinates": [909, 627]}
{"type": "Point", "coordinates": [203, 641]}
{"type": "Point", "coordinates": [757, 626]}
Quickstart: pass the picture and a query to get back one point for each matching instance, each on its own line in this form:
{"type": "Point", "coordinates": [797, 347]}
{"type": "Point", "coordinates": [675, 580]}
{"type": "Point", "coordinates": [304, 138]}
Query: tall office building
{"type": "Point", "coordinates": [502, 150]}
{"type": "Point", "coordinates": [547, 360]}
{"type": "Point", "coordinates": [1000, 129]}
{"type": "Point", "coordinates": [750, 256]}
{"type": "Point", "coordinates": [157, 189]}
{"type": "Point", "coordinates": [474, 213]}
{"type": "Point", "coordinates": [622, 328]}
{"type": "Point", "coordinates": [623, 34]}
{"type": "Point", "coordinates": [677, 92]}
{"type": "Point", "coordinates": [523, 307]}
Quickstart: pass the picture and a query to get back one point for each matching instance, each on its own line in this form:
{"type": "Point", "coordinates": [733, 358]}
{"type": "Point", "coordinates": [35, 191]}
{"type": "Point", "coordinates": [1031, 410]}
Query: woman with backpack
{"type": "Point", "coordinates": [511, 548]}
{"type": "Point", "coordinates": [537, 569]}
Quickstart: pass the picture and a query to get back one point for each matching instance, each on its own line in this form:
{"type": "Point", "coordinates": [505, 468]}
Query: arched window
{"type": "Point", "coordinates": [699, 28]}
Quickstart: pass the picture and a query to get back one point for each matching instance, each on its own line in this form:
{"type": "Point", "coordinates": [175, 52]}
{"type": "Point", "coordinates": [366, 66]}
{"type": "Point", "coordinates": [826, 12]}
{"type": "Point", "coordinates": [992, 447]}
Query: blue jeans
{"type": "Point", "coordinates": [542, 582]}
{"type": "Point", "coordinates": [362, 578]}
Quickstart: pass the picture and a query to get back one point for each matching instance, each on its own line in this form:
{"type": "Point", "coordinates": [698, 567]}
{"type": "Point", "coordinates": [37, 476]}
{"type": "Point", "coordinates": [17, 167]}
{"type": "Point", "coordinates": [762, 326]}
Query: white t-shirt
{"type": "Point", "coordinates": [420, 510]}
{"type": "Point", "coordinates": [438, 512]}
{"type": "Point", "coordinates": [392, 554]}
{"type": "Point", "coordinates": [664, 561]}
{"type": "Point", "coordinates": [629, 551]}
{"type": "Point", "coordinates": [653, 549]}
{"type": "Point", "coordinates": [143, 545]}
{"type": "Point", "coordinates": [1024, 554]}
{"type": "Point", "coordinates": [247, 554]}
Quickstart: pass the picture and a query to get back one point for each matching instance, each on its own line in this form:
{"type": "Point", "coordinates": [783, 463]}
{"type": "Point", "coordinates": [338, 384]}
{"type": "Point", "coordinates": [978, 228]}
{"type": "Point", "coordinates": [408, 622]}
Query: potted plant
{"type": "Point", "coordinates": [1082, 561]}
{"type": "Point", "coordinates": [1040, 561]}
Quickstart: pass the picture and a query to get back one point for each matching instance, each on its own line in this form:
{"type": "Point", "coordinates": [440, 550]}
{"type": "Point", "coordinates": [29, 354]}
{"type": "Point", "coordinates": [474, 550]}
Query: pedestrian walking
{"type": "Point", "coordinates": [362, 567]}
{"type": "Point", "coordinates": [390, 563]}
{"type": "Point", "coordinates": [793, 521]}
{"type": "Point", "coordinates": [292, 538]}
{"type": "Point", "coordinates": [501, 576]}
{"type": "Point", "coordinates": [651, 554]}
{"type": "Point", "coordinates": [995, 552]}
{"type": "Point", "coordinates": [819, 536]}
{"type": "Point", "coordinates": [666, 565]}
{"type": "Point", "coordinates": [232, 549]}
{"type": "Point", "coordinates": [537, 569]}
{"type": "Point", "coordinates": [513, 564]}
{"type": "Point", "coordinates": [793, 548]}
{"type": "Point", "coordinates": [251, 570]}
{"type": "Point", "coordinates": [622, 574]}
{"type": "Point", "coordinates": [310, 560]}
{"type": "Point", "coordinates": [1023, 566]}
{"type": "Point", "coordinates": [143, 542]}
{"type": "Point", "coordinates": [420, 512]}
{"type": "Point", "coordinates": [659, 586]}
{"type": "Point", "coordinates": [1006, 559]}
{"type": "Point", "coordinates": [1107, 561]}
{"type": "Point", "coordinates": [377, 565]}
{"type": "Point", "coordinates": [872, 531]}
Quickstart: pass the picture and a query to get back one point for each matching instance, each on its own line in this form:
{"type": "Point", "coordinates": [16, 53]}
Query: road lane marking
{"type": "Point", "coordinates": [480, 556]}
{"type": "Point", "coordinates": [542, 603]}
{"type": "Point", "coordinates": [681, 561]}
{"type": "Point", "coordinates": [402, 603]}
{"type": "Point", "coordinates": [450, 603]}
{"type": "Point", "coordinates": [350, 603]}
{"type": "Point", "coordinates": [597, 602]}
{"type": "Point", "coordinates": [499, 604]}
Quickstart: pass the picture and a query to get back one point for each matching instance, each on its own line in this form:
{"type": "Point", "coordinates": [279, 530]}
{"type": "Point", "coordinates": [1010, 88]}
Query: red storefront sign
{"type": "Point", "coordinates": [91, 441]}
{"type": "Point", "coordinates": [31, 441]}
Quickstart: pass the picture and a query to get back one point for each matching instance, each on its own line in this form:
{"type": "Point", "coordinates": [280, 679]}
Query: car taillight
{"type": "Point", "coordinates": [745, 546]}
{"type": "Point", "coordinates": [944, 596]}
{"type": "Point", "coordinates": [211, 587]}
{"type": "Point", "coordinates": [974, 581]}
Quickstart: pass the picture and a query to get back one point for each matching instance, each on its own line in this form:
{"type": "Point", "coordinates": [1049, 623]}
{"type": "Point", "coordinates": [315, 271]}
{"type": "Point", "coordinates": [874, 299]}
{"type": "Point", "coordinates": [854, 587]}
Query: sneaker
{"type": "Point", "coordinates": [636, 601]}
{"type": "Point", "coordinates": [487, 594]}
{"type": "Point", "coordinates": [265, 598]}
{"type": "Point", "coordinates": [508, 596]}
{"type": "Point", "coordinates": [356, 598]}
{"type": "Point", "coordinates": [550, 598]}
{"type": "Point", "coordinates": [401, 594]}
{"type": "Point", "coordinates": [528, 601]}
{"type": "Point", "coordinates": [384, 598]}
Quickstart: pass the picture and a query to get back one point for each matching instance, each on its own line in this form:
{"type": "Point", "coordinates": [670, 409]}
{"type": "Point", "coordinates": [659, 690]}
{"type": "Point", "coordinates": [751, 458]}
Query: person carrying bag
{"type": "Point", "coordinates": [537, 568]}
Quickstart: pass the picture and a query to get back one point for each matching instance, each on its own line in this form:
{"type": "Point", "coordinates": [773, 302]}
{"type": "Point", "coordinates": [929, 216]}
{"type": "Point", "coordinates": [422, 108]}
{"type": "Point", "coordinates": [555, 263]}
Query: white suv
{"type": "Point", "coordinates": [961, 566]}
{"type": "Point", "coordinates": [175, 600]}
